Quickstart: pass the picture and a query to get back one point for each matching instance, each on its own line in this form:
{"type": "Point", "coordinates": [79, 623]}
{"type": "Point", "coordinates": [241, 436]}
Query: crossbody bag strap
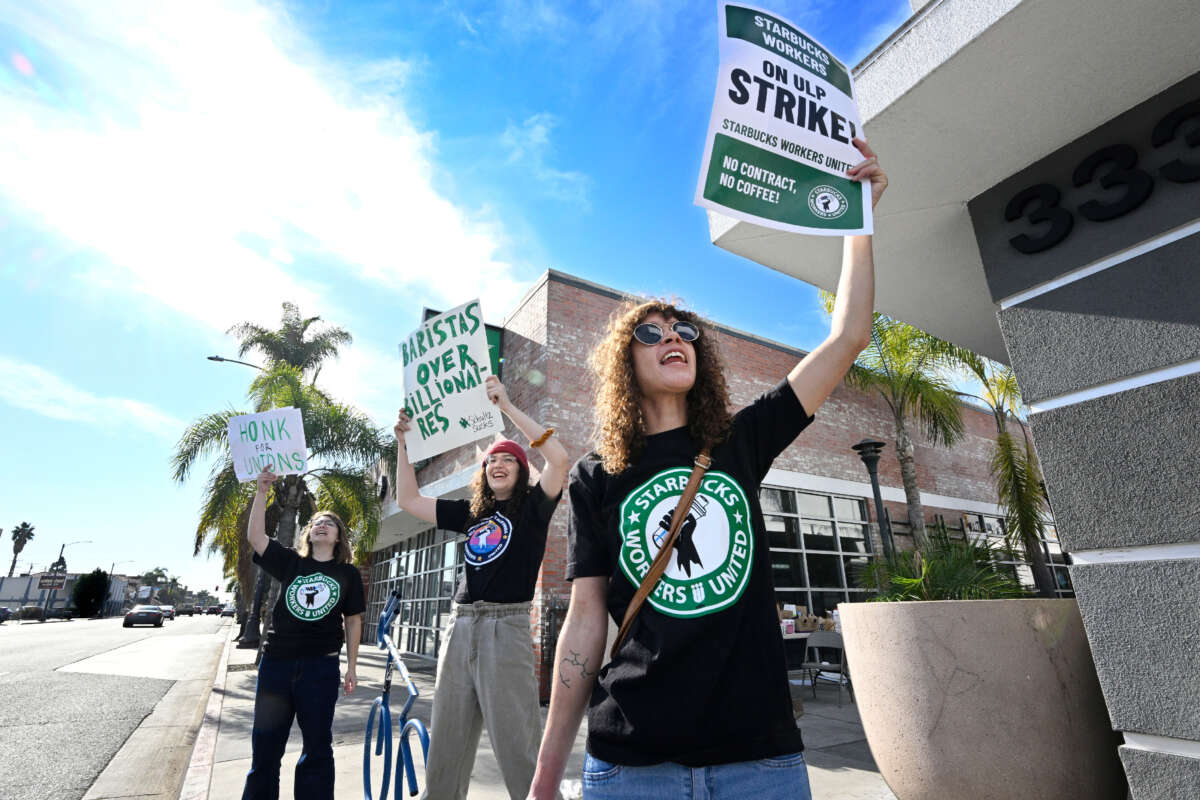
{"type": "Point", "coordinates": [659, 565]}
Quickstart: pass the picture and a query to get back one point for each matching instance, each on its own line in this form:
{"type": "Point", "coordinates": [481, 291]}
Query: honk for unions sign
{"type": "Point", "coordinates": [271, 440]}
{"type": "Point", "coordinates": [445, 364]}
{"type": "Point", "coordinates": [780, 136]}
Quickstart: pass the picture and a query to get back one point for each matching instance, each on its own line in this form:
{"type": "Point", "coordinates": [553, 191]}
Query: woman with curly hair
{"type": "Point", "coordinates": [695, 700]}
{"type": "Point", "coordinates": [298, 675]}
{"type": "Point", "coordinates": [485, 671]}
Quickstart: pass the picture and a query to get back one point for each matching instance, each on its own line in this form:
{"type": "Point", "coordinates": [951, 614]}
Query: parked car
{"type": "Point", "coordinates": [63, 612]}
{"type": "Point", "coordinates": [214, 610]}
{"type": "Point", "coordinates": [228, 611]}
{"type": "Point", "coordinates": [6, 613]}
{"type": "Point", "coordinates": [32, 611]}
{"type": "Point", "coordinates": [144, 615]}
{"type": "Point", "coordinates": [168, 611]}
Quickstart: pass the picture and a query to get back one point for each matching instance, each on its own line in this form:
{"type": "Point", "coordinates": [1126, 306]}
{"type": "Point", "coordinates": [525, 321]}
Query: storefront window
{"type": "Point", "coordinates": [425, 568]}
{"type": "Point", "coordinates": [818, 542]}
{"type": "Point", "coordinates": [1056, 559]}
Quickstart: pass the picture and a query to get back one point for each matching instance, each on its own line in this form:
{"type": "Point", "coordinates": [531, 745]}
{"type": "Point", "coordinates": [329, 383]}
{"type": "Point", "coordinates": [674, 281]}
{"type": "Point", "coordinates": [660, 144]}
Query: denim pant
{"type": "Point", "coordinates": [780, 778]}
{"type": "Point", "coordinates": [305, 689]}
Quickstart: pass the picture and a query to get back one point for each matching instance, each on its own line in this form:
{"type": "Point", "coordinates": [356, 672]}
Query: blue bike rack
{"type": "Point", "coordinates": [405, 767]}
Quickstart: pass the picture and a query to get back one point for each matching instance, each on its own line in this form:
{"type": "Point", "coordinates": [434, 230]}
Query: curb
{"type": "Point", "coordinates": [199, 771]}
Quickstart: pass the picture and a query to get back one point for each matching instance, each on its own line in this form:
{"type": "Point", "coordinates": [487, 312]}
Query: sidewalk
{"type": "Point", "coordinates": [840, 764]}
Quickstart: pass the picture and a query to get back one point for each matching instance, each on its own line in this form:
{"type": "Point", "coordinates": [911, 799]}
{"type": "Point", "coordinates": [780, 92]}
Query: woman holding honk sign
{"type": "Point", "coordinates": [485, 671]}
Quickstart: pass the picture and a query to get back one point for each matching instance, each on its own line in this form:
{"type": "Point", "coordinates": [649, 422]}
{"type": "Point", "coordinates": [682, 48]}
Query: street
{"type": "Point", "coordinates": [73, 692]}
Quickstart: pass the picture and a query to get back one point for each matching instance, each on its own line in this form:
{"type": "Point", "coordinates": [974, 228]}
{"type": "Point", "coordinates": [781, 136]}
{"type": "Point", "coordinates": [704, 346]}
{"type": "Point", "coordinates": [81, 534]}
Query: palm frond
{"type": "Point", "coordinates": [205, 436]}
{"type": "Point", "coordinates": [946, 568]}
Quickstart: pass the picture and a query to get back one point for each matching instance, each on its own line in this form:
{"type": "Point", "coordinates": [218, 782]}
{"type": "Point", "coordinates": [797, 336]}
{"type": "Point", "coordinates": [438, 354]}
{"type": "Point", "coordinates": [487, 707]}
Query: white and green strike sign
{"type": "Point", "coordinates": [779, 140]}
{"type": "Point", "coordinates": [445, 363]}
{"type": "Point", "coordinates": [273, 440]}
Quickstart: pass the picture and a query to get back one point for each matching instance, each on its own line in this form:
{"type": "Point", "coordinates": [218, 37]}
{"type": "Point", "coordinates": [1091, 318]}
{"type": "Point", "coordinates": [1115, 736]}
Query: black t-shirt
{"type": "Point", "coordinates": [314, 597]}
{"type": "Point", "coordinates": [502, 552]}
{"type": "Point", "coordinates": [701, 678]}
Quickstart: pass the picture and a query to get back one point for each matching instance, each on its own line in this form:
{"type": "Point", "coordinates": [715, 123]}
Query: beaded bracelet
{"type": "Point", "coordinates": [541, 440]}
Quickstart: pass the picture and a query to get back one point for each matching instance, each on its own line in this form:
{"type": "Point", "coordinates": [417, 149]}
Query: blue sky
{"type": "Point", "coordinates": [170, 169]}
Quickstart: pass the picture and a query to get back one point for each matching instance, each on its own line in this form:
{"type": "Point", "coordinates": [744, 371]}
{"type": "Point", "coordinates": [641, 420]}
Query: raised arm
{"type": "Point", "coordinates": [554, 472]}
{"type": "Point", "coordinates": [820, 372]}
{"type": "Point", "coordinates": [408, 493]}
{"type": "Point", "coordinates": [256, 527]}
{"type": "Point", "coordinates": [577, 659]}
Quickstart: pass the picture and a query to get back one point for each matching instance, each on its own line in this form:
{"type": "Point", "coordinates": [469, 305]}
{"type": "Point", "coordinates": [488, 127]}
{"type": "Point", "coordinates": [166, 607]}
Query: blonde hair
{"type": "Point", "coordinates": [341, 551]}
{"type": "Point", "coordinates": [620, 431]}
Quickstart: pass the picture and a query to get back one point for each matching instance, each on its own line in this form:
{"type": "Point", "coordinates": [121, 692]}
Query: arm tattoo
{"type": "Point", "coordinates": [574, 661]}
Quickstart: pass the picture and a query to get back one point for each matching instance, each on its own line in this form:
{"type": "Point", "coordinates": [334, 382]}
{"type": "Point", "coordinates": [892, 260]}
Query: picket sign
{"type": "Point", "coordinates": [780, 136]}
{"type": "Point", "coordinates": [445, 364]}
{"type": "Point", "coordinates": [273, 439]}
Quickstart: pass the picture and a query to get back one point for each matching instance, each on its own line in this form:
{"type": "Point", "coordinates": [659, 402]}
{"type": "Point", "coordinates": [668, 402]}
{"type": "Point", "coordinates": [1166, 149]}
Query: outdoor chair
{"type": "Point", "coordinates": [820, 651]}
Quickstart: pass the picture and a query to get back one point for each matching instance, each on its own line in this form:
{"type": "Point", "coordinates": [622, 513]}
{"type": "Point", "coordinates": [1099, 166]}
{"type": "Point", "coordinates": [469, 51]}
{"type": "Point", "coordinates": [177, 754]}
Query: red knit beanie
{"type": "Point", "coordinates": [512, 448]}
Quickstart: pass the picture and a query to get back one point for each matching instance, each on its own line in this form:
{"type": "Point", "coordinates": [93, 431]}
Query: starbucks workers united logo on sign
{"type": "Point", "coordinates": [710, 567]}
{"type": "Point", "coordinates": [311, 597]}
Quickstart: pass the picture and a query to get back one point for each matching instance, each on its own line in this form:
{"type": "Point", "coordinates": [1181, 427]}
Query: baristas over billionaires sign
{"type": "Point", "coordinates": [445, 364]}
{"type": "Point", "coordinates": [780, 137]}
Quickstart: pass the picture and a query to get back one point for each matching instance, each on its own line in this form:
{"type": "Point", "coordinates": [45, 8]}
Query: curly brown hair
{"type": "Point", "coordinates": [620, 432]}
{"type": "Point", "coordinates": [483, 499]}
{"type": "Point", "coordinates": [341, 551]}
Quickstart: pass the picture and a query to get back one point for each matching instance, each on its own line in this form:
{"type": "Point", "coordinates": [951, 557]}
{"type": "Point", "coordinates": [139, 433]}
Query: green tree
{"type": "Point", "coordinates": [294, 342]}
{"type": "Point", "coordinates": [151, 578]}
{"type": "Point", "coordinates": [20, 537]}
{"type": "Point", "coordinates": [89, 593]}
{"type": "Point", "coordinates": [909, 369]}
{"type": "Point", "coordinates": [343, 449]}
{"type": "Point", "coordinates": [1014, 467]}
{"type": "Point", "coordinates": [945, 568]}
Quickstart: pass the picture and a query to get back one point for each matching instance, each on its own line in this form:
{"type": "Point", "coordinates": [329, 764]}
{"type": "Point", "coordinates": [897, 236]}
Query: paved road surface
{"type": "Point", "coordinates": [71, 693]}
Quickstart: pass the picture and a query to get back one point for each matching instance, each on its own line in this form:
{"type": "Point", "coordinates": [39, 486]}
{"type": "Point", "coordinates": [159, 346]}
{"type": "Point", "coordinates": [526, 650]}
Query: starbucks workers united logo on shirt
{"type": "Point", "coordinates": [710, 567]}
{"type": "Point", "coordinates": [311, 597]}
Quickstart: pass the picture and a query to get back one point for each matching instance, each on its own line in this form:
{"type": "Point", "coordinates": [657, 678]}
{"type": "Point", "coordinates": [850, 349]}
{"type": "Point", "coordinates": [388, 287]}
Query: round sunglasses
{"type": "Point", "coordinates": [651, 333]}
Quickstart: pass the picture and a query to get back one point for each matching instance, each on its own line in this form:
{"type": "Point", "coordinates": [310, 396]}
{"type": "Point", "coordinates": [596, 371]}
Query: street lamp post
{"type": "Point", "coordinates": [249, 636]}
{"type": "Point", "coordinates": [868, 450]}
{"type": "Point", "coordinates": [235, 361]}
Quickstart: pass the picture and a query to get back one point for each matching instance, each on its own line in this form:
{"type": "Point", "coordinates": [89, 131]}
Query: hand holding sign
{"type": "Point", "coordinates": [869, 170]}
{"type": "Point", "coordinates": [264, 480]}
{"type": "Point", "coordinates": [496, 392]}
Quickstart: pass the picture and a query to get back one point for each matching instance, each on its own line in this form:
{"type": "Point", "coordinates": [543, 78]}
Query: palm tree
{"type": "Point", "coordinates": [20, 537]}
{"type": "Point", "coordinates": [343, 447]}
{"type": "Point", "coordinates": [1015, 467]}
{"type": "Point", "coordinates": [151, 578]}
{"type": "Point", "coordinates": [907, 368]}
{"type": "Point", "coordinates": [288, 344]}
{"type": "Point", "coordinates": [223, 523]}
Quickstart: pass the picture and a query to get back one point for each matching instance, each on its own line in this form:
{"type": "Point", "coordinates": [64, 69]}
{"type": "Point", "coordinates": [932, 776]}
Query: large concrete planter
{"type": "Point", "coordinates": [981, 700]}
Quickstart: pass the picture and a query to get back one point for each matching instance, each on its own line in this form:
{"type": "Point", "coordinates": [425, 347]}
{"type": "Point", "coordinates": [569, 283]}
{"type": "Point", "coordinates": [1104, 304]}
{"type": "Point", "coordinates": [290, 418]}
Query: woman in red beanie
{"type": "Point", "coordinates": [485, 670]}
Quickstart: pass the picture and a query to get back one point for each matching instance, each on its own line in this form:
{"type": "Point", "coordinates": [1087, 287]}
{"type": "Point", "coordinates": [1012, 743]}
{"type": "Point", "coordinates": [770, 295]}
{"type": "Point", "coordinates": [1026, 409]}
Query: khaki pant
{"type": "Point", "coordinates": [485, 676]}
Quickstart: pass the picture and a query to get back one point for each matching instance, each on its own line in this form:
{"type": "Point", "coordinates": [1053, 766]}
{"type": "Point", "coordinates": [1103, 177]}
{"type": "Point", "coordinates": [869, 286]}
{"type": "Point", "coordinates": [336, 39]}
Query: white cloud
{"type": "Point", "coordinates": [32, 388]}
{"type": "Point", "coordinates": [163, 137]}
{"type": "Point", "coordinates": [528, 145]}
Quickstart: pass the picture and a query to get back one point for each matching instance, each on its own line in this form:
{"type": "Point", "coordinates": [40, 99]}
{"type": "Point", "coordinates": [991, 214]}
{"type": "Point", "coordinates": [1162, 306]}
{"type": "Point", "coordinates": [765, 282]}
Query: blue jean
{"type": "Point", "coordinates": [780, 778]}
{"type": "Point", "coordinates": [304, 689]}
